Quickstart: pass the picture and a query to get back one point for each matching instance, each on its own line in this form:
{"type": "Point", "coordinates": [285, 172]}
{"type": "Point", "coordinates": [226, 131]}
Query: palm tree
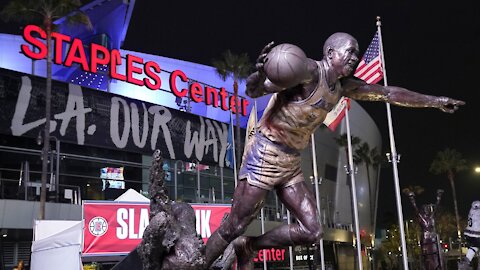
{"type": "Point", "coordinates": [238, 67]}
{"type": "Point", "coordinates": [377, 161]}
{"type": "Point", "coordinates": [369, 157]}
{"type": "Point", "coordinates": [342, 141]}
{"type": "Point", "coordinates": [450, 161]}
{"type": "Point", "coordinates": [362, 155]}
{"type": "Point", "coordinates": [45, 12]}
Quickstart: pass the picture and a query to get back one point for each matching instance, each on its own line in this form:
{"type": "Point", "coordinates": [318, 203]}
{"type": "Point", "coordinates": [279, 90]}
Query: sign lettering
{"type": "Point", "coordinates": [138, 71]}
{"type": "Point", "coordinates": [126, 124]}
{"type": "Point", "coordinates": [117, 227]}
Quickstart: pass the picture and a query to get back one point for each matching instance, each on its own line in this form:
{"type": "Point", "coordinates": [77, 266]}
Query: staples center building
{"type": "Point", "coordinates": [106, 122]}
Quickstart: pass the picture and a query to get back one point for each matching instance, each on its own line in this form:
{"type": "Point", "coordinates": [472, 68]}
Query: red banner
{"type": "Point", "coordinates": [209, 217]}
{"type": "Point", "coordinates": [116, 228]}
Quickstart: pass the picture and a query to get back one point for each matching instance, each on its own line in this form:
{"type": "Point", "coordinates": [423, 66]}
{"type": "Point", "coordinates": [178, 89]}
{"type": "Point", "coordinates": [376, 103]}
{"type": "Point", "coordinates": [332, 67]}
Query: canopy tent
{"type": "Point", "coordinates": [131, 195]}
{"type": "Point", "coordinates": [57, 244]}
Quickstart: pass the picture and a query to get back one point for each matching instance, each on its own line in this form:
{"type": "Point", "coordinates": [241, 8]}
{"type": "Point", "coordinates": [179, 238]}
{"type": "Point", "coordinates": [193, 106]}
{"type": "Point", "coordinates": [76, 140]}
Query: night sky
{"type": "Point", "coordinates": [429, 48]}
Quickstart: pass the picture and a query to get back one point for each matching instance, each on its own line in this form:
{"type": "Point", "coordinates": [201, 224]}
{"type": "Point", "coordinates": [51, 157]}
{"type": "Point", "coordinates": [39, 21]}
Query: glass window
{"type": "Point", "coordinates": [331, 172]}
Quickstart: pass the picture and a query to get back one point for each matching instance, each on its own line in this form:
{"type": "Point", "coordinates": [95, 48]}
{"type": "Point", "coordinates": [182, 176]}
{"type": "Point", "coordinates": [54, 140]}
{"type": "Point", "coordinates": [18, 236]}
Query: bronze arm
{"type": "Point", "coordinates": [360, 90]}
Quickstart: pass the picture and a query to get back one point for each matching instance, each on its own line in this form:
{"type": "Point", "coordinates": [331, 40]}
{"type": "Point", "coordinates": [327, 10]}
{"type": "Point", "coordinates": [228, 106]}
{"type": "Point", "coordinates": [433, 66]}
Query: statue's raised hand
{"type": "Point", "coordinates": [254, 82]}
{"type": "Point", "coordinates": [262, 58]}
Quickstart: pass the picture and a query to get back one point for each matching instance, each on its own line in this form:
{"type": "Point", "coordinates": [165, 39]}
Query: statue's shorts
{"type": "Point", "coordinates": [269, 165]}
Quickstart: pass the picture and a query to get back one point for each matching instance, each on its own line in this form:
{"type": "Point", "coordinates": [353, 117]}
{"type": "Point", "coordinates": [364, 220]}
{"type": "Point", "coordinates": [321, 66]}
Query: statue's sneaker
{"type": "Point", "coordinates": [244, 252]}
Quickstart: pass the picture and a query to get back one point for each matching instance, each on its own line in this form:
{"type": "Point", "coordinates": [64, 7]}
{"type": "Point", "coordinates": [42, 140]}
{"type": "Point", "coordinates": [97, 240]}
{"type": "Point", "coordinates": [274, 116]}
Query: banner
{"type": "Point", "coordinates": [209, 217]}
{"type": "Point", "coordinates": [116, 228]}
{"type": "Point", "coordinates": [335, 116]}
{"type": "Point", "coordinates": [90, 117]}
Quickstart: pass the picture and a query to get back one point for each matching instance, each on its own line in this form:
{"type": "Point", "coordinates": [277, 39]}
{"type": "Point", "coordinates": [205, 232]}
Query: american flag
{"type": "Point", "coordinates": [370, 67]}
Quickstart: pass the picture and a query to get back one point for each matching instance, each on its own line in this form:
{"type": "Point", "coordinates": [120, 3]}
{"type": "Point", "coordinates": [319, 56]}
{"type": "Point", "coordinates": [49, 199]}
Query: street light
{"type": "Point", "coordinates": [477, 169]}
{"type": "Point", "coordinates": [57, 167]}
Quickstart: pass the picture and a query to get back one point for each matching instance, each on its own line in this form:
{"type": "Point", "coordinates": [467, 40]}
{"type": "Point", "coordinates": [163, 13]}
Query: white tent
{"type": "Point", "coordinates": [57, 245]}
{"type": "Point", "coordinates": [131, 195]}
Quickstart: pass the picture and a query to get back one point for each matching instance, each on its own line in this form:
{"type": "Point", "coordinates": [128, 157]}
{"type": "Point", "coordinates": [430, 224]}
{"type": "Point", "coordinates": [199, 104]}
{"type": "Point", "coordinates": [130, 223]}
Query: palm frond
{"type": "Point", "coordinates": [35, 11]}
{"type": "Point", "coordinates": [22, 11]}
{"type": "Point", "coordinates": [221, 68]}
{"type": "Point", "coordinates": [448, 160]}
{"type": "Point", "coordinates": [362, 154]}
{"type": "Point", "coordinates": [342, 140]}
{"type": "Point", "coordinates": [232, 65]}
{"type": "Point", "coordinates": [79, 18]}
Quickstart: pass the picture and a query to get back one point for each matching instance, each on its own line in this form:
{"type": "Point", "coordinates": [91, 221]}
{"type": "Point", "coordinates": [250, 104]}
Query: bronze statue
{"type": "Point", "coordinates": [170, 241]}
{"type": "Point", "coordinates": [429, 240]}
{"type": "Point", "coordinates": [426, 215]}
{"type": "Point", "coordinates": [272, 158]}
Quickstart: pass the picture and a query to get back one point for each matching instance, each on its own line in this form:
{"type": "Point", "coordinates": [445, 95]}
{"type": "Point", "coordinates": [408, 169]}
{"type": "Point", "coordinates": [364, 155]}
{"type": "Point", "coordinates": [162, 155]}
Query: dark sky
{"type": "Point", "coordinates": [432, 48]}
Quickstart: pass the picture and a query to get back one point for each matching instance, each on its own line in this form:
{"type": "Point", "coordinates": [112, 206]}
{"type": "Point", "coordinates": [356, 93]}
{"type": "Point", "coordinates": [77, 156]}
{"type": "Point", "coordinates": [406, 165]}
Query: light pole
{"type": "Point", "coordinates": [198, 181]}
{"type": "Point", "coordinates": [57, 165]}
{"type": "Point", "coordinates": [175, 183]}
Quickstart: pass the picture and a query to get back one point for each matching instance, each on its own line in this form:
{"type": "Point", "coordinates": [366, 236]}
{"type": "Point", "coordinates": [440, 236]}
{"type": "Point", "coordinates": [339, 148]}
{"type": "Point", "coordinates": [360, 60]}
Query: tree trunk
{"type": "Point", "coordinates": [454, 195]}
{"type": "Point", "coordinates": [370, 197]}
{"type": "Point", "coordinates": [46, 133]}
{"type": "Point", "coordinates": [237, 127]}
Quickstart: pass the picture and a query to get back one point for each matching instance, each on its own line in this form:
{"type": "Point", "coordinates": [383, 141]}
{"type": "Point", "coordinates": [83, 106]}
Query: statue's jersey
{"type": "Point", "coordinates": [473, 226]}
{"type": "Point", "coordinates": [291, 122]}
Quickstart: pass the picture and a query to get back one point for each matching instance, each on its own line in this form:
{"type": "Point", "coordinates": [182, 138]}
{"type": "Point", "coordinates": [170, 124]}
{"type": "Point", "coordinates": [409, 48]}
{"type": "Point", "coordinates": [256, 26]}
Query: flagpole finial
{"type": "Point", "coordinates": [379, 23]}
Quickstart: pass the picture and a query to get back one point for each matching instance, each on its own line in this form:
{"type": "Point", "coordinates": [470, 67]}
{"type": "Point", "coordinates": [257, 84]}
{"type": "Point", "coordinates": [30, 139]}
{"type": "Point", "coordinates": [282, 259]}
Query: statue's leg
{"type": "Point", "coordinates": [247, 201]}
{"type": "Point", "coordinates": [301, 203]}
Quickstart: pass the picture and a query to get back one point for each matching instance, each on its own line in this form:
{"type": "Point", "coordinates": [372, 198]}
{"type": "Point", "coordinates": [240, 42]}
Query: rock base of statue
{"type": "Point", "coordinates": [170, 241]}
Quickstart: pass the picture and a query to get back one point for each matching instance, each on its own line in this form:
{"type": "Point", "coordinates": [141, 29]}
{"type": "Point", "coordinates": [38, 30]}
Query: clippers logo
{"type": "Point", "coordinates": [98, 226]}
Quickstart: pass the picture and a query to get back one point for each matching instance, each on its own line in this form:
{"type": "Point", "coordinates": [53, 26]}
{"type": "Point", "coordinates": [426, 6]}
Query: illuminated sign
{"type": "Point", "coordinates": [136, 67]}
{"type": "Point", "coordinates": [116, 228]}
{"type": "Point", "coordinates": [272, 254]}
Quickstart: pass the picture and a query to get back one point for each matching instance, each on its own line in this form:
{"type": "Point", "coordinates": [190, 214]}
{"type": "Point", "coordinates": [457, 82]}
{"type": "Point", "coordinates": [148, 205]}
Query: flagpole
{"type": "Point", "coordinates": [290, 248]}
{"type": "Point", "coordinates": [394, 156]}
{"type": "Point", "coordinates": [317, 195]}
{"type": "Point", "coordinates": [354, 191]}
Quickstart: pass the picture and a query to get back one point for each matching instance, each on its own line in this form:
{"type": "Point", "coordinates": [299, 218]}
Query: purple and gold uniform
{"type": "Point", "coordinates": [272, 156]}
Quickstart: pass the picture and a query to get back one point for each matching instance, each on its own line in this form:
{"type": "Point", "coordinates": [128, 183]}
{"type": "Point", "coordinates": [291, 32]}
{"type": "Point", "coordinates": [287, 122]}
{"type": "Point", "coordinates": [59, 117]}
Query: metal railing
{"type": "Point", "coordinates": [30, 191]}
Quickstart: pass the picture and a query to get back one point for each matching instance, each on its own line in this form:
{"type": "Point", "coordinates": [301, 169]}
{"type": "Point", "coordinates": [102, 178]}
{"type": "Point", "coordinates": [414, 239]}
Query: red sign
{"type": "Point", "coordinates": [116, 228]}
{"type": "Point", "coordinates": [271, 254]}
{"type": "Point", "coordinates": [138, 71]}
{"type": "Point", "coordinates": [209, 217]}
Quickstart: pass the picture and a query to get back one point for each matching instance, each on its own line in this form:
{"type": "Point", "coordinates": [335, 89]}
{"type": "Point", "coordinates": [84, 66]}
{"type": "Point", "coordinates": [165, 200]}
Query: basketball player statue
{"type": "Point", "coordinates": [304, 94]}
{"type": "Point", "coordinates": [429, 240]}
{"type": "Point", "coordinates": [472, 235]}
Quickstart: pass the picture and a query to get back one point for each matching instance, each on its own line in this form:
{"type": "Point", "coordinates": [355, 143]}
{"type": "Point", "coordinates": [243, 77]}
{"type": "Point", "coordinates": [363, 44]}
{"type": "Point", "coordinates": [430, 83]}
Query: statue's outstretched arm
{"type": "Point", "coordinates": [360, 90]}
